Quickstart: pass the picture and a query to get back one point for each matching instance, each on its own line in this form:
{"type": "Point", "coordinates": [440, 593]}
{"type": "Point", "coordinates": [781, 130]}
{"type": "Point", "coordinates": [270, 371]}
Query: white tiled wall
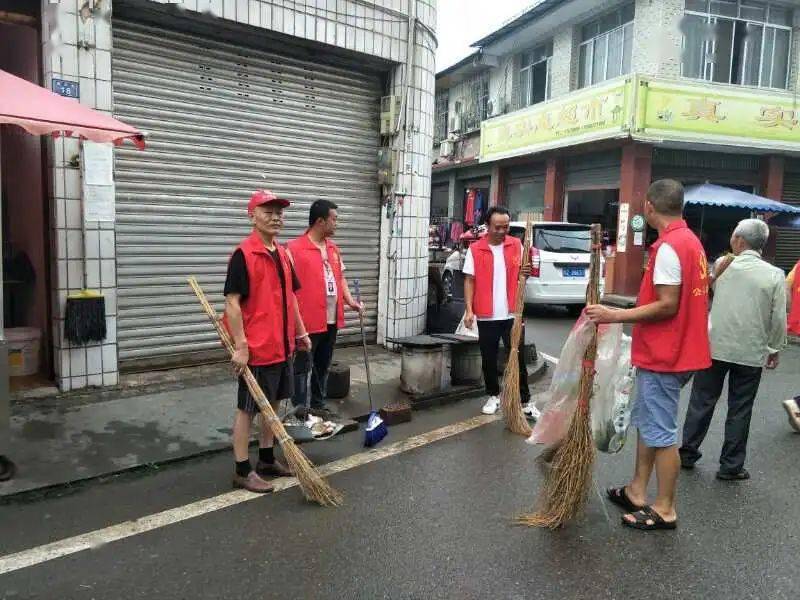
{"type": "Point", "coordinates": [80, 49]}
{"type": "Point", "coordinates": [65, 36]}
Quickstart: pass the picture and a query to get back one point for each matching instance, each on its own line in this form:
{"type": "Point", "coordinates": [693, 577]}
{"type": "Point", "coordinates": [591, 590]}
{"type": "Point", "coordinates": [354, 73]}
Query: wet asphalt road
{"type": "Point", "coordinates": [434, 522]}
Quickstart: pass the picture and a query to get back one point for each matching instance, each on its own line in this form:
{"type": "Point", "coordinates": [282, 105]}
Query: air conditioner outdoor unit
{"type": "Point", "coordinates": [390, 110]}
{"type": "Point", "coordinates": [447, 148]}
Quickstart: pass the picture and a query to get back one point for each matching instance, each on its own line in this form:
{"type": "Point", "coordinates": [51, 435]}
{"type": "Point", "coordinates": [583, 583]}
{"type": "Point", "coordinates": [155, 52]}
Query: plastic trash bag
{"type": "Point", "coordinates": [467, 332]}
{"type": "Point", "coordinates": [610, 402]}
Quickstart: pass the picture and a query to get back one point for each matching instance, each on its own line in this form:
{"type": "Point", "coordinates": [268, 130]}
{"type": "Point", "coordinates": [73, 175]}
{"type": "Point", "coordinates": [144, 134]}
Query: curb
{"type": "Point", "coordinates": [352, 424]}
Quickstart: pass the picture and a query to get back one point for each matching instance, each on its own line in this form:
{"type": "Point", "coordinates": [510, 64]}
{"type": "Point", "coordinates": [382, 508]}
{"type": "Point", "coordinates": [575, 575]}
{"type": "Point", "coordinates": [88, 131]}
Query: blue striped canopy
{"type": "Point", "coordinates": [708, 194]}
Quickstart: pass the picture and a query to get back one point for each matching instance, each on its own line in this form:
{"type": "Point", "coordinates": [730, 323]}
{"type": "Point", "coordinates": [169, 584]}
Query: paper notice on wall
{"type": "Point", "coordinates": [98, 203]}
{"type": "Point", "coordinates": [622, 227]}
{"type": "Point", "coordinates": [98, 164]}
{"type": "Point", "coordinates": [638, 238]}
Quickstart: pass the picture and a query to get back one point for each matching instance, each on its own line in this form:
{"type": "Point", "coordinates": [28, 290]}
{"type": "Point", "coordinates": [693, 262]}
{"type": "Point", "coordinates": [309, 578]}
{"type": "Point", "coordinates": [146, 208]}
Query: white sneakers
{"type": "Point", "coordinates": [793, 411]}
{"type": "Point", "coordinates": [531, 411]}
{"type": "Point", "coordinates": [492, 405]}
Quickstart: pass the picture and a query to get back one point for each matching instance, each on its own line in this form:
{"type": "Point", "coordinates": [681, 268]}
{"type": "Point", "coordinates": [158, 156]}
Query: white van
{"type": "Point", "coordinates": [561, 257]}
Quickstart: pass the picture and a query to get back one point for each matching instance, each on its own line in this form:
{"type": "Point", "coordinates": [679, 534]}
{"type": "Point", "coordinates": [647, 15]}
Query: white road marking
{"type": "Point", "coordinates": [548, 358]}
{"type": "Point", "coordinates": [97, 538]}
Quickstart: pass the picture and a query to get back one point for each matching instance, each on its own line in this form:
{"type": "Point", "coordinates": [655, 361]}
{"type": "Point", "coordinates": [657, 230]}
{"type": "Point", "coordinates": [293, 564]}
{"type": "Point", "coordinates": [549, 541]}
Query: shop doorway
{"type": "Point", "coordinates": [594, 206]}
{"type": "Point", "coordinates": [25, 237]}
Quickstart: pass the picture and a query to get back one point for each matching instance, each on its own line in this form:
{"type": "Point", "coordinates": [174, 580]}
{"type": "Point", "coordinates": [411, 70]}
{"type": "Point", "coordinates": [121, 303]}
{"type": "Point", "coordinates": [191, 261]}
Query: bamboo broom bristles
{"type": "Point", "coordinates": [314, 487]}
{"type": "Point", "coordinates": [510, 400]}
{"type": "Point", "coordinates": [566, 485]}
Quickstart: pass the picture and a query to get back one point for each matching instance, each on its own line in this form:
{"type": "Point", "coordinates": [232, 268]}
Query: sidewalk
{"type": "Point", "coordinates": [63, 440]}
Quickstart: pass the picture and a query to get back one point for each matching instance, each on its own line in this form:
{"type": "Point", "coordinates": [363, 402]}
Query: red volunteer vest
{"type": "Point", "coordinates": [679, 344]}
{"type": "Point", "coordinates": [312, 295]}
{"type": "Point", "coordinates": [793, 323]}
{"type": "Point", "coordinates": [262, 310]}
{"type": "Point", "coordinates": [483, 301]}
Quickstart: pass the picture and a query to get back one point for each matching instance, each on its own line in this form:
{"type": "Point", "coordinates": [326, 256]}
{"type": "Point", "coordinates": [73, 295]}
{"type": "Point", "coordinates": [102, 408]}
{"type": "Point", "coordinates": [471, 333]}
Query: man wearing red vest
{"type": "Point", "coordinates": [262, 316]}
{"type": "Point", "coordinates": [670, 342]}
{"type": "Point", "coordinates": [323, 293]}
{"type": "Point", "coordinates": [793, 325]}
{"type": "Point", "coordinates": [491, 272]}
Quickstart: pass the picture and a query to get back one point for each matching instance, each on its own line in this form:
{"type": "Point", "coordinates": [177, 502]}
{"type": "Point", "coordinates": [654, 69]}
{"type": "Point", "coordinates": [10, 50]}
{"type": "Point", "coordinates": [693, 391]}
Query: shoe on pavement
{"type": "Point", "coordinates": [492, 405]}
{"type": "Point", "coordinates": [530, 411]}
{"type": "Point", "coordinates": [740, 476]}
{"type": "Point", "coordinates": [252, 483]}
{"type": "Point", "coordinates": [793, 411]}
{"type": "Point", "coordinates": [275, 469]}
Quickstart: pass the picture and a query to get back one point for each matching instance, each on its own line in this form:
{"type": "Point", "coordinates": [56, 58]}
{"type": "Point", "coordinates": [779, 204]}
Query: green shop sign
{"type": "Point", "coordinates": [715, 114]}
{"type": "Point", "coordinates": [648, 109]}
{"type": "Point", "coordinates": [598, 113]}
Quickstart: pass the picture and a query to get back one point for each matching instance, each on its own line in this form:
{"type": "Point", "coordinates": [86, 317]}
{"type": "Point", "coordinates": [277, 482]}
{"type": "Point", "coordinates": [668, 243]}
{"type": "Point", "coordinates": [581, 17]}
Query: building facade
{"type": "Point", "coordinates": [325, 99]}
{"type": "Point", "coordinates": [589, 102]}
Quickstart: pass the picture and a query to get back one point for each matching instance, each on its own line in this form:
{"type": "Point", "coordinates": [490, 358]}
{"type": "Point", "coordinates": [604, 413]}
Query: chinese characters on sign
{"type": "Point", "coordinates": [558, 123]}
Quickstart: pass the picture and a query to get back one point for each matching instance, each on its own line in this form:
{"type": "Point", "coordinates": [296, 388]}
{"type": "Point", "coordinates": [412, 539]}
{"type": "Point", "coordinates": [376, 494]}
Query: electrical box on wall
{"type": "Point", "coordinates": [447, 148]}
{"type": "Point", "coordinates": [387, 162]}
{"type": "Point", "coordinates": [390, 110]}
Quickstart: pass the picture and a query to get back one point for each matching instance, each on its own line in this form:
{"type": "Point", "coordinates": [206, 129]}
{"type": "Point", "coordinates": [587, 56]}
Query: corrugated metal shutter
{"type": "Point", "coordinates": [600, 170]}
{"type": "Point", "coordinates": [698, 167]}
{"type": "Point", "coordinates": [223, 121]}
{"type": "Point", "coordinates": [787, 241]}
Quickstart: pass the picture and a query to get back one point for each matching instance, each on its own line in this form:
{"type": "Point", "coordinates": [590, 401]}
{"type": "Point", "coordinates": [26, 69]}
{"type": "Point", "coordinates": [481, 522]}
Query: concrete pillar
{"type": "Point", "coordinates": [635, 176]}
{"type": "Point", "coordinates": [554, 190]}
{"type": "Point", "coordinates": [772, 169]}
{"type": "Point", "coordinates": [498, 186]}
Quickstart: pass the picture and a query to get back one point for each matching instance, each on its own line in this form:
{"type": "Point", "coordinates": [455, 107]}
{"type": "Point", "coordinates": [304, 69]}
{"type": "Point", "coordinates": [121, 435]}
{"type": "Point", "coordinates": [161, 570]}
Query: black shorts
{"type": "Point", "coordinates": [275, 380]}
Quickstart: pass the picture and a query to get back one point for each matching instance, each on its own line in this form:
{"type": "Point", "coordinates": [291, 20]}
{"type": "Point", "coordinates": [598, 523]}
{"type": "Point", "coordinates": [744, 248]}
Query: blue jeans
{"type": "Point", "coordinates": [314, 365]}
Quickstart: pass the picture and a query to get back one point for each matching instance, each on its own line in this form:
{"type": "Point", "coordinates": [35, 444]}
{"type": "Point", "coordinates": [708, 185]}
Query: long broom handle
{"type": "Point", "coordinates": [519, 300]}
{"type": "Point", "coordinates": [255, 389]}
{"type": "Point", "coordinates": [364, 343]}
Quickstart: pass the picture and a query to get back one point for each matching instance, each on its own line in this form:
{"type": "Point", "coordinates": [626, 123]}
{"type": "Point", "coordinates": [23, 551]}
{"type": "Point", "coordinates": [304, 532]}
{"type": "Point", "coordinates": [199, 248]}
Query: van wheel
{"type": "Point", "coordinates": [575, 310]}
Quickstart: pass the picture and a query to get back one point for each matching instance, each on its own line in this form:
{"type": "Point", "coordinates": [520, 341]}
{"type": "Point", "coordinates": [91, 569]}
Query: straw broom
{"type": "Point", "coordinates": [314, 487]}
{"type": "Point", "coordinates": [566, 486]}
{"type": "Point", "coordinates": [510, 400]}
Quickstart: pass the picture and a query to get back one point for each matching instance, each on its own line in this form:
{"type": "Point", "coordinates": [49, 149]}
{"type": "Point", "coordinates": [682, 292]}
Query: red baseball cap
{"type": "Point", "coordinates": [260, 197]}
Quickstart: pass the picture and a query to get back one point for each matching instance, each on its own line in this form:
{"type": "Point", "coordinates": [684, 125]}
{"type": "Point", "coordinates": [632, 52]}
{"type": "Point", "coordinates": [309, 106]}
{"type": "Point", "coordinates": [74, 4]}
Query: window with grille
{"type": "Point", "coordinates": [740, 42]}
{"type": "Point", "coordinates": [534, 75]}
{"type": "Point", "coordinates": [442, 107]}
{"type": "Point", "coordinates": [476, 103]}
{"type": "Point", "coordinates": [606, 47]}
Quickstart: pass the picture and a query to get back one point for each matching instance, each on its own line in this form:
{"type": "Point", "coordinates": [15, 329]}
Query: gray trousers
{"type": "Point", "coordinates": [743, 382]}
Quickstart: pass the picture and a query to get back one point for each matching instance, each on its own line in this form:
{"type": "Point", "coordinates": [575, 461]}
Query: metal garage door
{"type": "Point", "coordinates": [224, 120]}
{"type": "Point", "coordinates": [787, 241]}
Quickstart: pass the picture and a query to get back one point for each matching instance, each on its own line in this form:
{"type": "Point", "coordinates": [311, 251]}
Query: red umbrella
{"type": "Point", "coordinates": [39, 111]}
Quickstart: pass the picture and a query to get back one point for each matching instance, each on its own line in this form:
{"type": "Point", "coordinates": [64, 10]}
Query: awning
{"type": "Point", "coordinates": [709, 194]}
{"type": "Point", "coordinates": [39, 111]}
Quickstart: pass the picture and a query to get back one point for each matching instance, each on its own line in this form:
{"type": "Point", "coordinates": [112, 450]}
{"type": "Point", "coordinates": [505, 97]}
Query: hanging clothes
{"type": "Point", "coordinates": [480, 206]}
{"type": "Point", "coordinates": [469, 207]}
{"type": "Point", "coordinates": [456, 231]}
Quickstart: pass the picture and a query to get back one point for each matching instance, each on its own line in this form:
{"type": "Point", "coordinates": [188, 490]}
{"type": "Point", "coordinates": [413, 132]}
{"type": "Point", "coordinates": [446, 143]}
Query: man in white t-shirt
{"type": "Point", "coordinates": [491, 273]}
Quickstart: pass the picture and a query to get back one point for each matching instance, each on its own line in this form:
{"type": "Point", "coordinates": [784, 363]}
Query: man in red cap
{"type": "Point", "coordinates": [323, 294]}
{"type": "Point", "coordinates": [262, 315]}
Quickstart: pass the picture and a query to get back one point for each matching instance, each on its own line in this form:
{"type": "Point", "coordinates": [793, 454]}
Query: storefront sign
{"type": "Point", "coordinates": [598, 113]}
{"type": "Point", "coordinates": [710, 114]}
{"type": "Point", "coordinates": [622, 227]}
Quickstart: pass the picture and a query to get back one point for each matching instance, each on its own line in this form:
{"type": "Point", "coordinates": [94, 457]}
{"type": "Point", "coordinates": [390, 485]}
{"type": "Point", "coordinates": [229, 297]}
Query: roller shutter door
{"type": "Point", "coordinates": [787, 241]}
{"type": "Point", "coordinates": [600, 170]}
{"type": "Point", "coordinates": [222, 121]}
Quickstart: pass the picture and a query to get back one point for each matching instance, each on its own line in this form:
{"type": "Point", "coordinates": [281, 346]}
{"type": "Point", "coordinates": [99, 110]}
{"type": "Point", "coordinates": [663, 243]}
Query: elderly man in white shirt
{"type": "Point", "coordinates": [747, 330]}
